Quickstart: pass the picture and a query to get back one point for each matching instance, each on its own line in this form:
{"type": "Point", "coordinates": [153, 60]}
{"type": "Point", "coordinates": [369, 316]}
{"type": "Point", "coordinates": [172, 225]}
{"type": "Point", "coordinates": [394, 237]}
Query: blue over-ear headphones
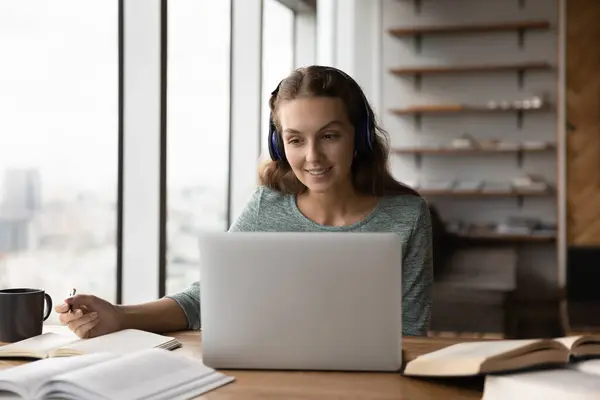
{"type": "Point", "coordinates": [363, 136]}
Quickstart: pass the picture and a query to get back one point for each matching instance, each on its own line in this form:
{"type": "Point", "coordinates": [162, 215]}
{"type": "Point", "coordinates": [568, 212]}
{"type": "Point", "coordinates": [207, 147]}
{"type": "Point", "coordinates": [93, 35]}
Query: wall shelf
{"type": "Point", "coordinates": [471, 28]}
{"type": "Point", "coordinates": [503, 238]}
{"type": "Point", "coordinates": [449, 69]}
{"type": "Point", "coordinates": [470, 151]}
{"type": "Point", "coordinates": [459, 108]}
{"type": "Point", "coordinates": [479, 193]}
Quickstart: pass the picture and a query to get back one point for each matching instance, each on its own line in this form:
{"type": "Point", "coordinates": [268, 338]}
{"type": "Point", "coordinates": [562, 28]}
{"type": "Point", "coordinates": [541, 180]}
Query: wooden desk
{"type": "Point", "coordinates": [325, 385]}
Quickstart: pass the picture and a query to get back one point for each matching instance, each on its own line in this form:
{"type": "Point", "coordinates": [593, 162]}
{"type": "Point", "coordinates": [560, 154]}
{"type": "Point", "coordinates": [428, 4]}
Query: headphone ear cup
{"type": "Point", "coordinates": [274, 142]}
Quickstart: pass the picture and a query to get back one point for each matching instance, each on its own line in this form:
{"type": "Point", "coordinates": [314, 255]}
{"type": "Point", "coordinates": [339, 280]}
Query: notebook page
{"type": "Point", "coordinates": [32, 375]}
{"type": "Point", "coordinates": [138, 375]}
{"type": "Point", "coordinates": [41, 344]}
{"type": "Point", "coordinates": [477, 350]}
{"type": "Point", "coordinates": [121, 342]}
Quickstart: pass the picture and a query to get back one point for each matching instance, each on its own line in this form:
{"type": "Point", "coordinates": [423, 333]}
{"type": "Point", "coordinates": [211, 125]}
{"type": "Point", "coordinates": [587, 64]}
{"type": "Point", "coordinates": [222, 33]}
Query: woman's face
{"type": "Point", "coordinates": [318, 139]}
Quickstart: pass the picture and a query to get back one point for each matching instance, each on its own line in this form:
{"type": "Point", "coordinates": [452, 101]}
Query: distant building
{"type": "Point", "coordinates": [22, 190]}
{"type": "Point", "coordinates": [16, 232]}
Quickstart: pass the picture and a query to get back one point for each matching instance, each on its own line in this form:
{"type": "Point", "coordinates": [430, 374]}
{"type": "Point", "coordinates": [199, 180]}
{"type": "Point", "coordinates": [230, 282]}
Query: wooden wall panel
{"type": "Point", "coordinates": [583, 116]}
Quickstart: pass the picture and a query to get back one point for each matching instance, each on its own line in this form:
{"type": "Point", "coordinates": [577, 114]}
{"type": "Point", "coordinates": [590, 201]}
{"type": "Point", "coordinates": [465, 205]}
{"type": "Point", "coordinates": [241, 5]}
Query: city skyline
{"type": "Point", "coordinates": [60, 90]}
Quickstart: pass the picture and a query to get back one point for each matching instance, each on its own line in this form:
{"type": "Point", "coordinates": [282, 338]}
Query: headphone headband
{"type": "Point", "coordinates": [363, 136]}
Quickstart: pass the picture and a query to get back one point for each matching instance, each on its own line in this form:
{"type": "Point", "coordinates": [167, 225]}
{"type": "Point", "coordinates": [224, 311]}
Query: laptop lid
{"type": "Point", "coordinates": [301, 300]}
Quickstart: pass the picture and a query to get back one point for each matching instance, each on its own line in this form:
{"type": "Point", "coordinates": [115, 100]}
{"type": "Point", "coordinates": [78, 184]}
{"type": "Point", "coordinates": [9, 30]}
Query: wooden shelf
{"type": "Point", "coordinates": [479, 193]}
{"type": "Point", "coordinates": [458, 108]}
{"type": "Point", "coordinates": [471, 28]}
{"type": "Point", "coordinates": [470, 68]}
{"type": "Point", "coordinates": [470, 151]}
{"type": "Point", "coordinates": [502, 238]}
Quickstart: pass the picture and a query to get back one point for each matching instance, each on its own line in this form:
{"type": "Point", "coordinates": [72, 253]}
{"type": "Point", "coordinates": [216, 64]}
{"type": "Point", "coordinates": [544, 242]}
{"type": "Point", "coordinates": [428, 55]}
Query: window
{"type": "Point", "coordinates": [59, 146]}
{"type": "Point", "coordinates": [197, 131]}
{"type": "Point", "coordinates": [277, 56]}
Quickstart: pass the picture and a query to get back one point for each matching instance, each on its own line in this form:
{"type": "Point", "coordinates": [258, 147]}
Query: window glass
{"type": "Point", "coordinates": [197, 131]}
{"type": "Point", "coordinates": [59, 146]}
{"type": "Point", "coordinates": [277, 56]}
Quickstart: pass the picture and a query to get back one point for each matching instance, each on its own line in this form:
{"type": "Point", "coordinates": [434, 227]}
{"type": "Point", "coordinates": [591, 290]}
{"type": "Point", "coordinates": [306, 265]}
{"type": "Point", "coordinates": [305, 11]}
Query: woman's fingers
{"type": "Point", "coordinates": [83, 331]}
{"type": "Point", "coordinates": [66, 318]}
{"type": "Point", "coordinates": [77, 324]}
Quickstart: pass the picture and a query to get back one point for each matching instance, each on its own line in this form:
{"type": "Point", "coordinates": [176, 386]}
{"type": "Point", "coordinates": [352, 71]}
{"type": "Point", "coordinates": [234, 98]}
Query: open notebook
{"type": "Point", "coordinates": [152, 374]}
{"type": "Point", "coordinates": [483, 357]}
{"type": "Point", "coordinates": [62, 345]}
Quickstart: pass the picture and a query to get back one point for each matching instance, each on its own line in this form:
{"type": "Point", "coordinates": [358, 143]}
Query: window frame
{"type": "Point", "coordinates": [141, 218]}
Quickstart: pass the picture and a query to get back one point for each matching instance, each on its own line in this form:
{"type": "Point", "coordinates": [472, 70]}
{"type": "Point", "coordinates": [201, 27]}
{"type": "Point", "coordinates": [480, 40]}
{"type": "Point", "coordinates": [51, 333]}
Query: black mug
{"type": "Point", "coordinates": [22, 313]}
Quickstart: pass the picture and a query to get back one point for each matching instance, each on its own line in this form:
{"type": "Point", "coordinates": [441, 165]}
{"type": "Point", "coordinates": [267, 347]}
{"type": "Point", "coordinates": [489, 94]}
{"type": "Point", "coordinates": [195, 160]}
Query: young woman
{"type": "Point", "coordinates": [328, 172]}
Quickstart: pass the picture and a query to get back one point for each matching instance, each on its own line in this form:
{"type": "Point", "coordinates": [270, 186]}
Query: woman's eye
{"type": "Point", "coordinates": [330, 136]}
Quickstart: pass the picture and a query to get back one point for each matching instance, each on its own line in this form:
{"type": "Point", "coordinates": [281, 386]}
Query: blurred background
{"type": "Point", "coordinates": [129, 127]}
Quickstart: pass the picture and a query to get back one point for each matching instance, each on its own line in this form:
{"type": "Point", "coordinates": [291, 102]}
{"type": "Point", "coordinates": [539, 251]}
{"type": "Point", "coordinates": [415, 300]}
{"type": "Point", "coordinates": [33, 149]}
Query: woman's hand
{"type": "Point", "coordinates": [90, 316]}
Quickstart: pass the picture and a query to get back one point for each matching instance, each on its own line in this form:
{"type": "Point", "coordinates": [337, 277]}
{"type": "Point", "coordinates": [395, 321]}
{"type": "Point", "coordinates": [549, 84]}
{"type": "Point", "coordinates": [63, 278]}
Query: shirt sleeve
{"type": "Point", "coordinates": [189, 301]}
{"type": "Point", "coordinates": [418, 276]}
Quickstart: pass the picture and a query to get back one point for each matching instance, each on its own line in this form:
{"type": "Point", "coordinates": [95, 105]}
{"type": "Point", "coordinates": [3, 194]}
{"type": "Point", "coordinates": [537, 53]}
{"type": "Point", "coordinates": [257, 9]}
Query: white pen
{"type": "Point", "coordinates": [73, 291]}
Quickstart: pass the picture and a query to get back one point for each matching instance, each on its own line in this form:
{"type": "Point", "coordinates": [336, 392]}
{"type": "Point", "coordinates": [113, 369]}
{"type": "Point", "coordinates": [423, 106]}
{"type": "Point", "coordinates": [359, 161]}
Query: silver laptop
{"type": "Point", "coordinates": [301, 301]}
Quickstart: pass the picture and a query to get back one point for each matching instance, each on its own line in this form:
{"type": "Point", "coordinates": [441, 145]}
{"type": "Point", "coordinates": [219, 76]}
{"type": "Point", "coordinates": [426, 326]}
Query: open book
{"type": "Point", "coordinates": [576, 381]}
{"type": "Point", "coordinates": [62, 345]}
{"type": "Point", "coordinates": [483, 357]}
{"type": "Point", "coordinates": [153, 374]}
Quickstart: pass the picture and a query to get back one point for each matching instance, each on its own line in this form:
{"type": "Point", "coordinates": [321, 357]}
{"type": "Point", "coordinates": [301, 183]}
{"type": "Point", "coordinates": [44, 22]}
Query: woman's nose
{"type": "Point", "coordinates": [314, 153]}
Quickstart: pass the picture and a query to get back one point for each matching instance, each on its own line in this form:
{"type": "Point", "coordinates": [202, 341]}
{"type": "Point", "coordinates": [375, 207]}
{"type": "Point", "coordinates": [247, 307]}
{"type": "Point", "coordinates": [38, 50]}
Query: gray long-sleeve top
{"type": "Point", "coordinates": [406, 215]}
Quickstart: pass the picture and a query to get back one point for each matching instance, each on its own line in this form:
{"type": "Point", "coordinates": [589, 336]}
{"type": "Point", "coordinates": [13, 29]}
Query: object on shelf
{"type": "Point", "coordinates": [467, 186]}
{"type": "Point", "coordinates": [456, 108]}
{"type": "Point", "coordinates": [496, 187]}
{"type": "Point", "coordinates": [535, 145]}
{"type": "Point", "coordinates": [526, 222]}
{"type": "Point", "coordinates": [437, 185]}
{"type": "Point", "coordinates": [464, 141]}
{"type": "Point", "coordinates": [529, 103]}
{"type": "Point", "coordinates": [456, 227]}
{"type": "Point", "coordinates": [502, 145]}
{"type": "Point", "coordinates": [514, 228]}
{"type": "Point", "coordinates": [532, 183]}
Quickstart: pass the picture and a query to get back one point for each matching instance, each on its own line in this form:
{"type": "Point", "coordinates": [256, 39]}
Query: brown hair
{"type": "Point", "coordinates": [370, 170]}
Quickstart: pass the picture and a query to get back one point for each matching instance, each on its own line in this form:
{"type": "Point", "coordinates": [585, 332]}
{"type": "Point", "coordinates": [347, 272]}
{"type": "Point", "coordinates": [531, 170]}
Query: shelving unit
{"type": "Point", "coordinates": [451, 58]}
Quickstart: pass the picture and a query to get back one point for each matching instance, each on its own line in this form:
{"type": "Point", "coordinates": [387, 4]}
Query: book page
{"type": "Point", "coordinates": [143, 374]}
{"type": "Point", "coordinates": [568, 341]}
{"type": "Point", "coordinates": [29, 377]}
{"type": "Point", "coordinates": [121, 342]}
{"type": "Point", "coordinates": [480, 350]}
{"type": "Point", "coordinates": [588, 366]}
{"type": "Point", "coordinates": [39, 345]}
{"type": "Point", "coordinates": [562, 383]}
